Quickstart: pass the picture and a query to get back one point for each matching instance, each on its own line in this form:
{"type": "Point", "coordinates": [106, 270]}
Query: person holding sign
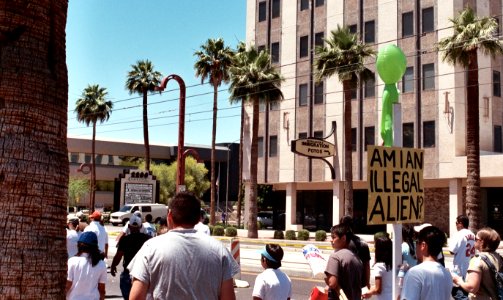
{"type": "Point", "coordinates": [428, 280]}
{"type": "Point", "coordinates": [344, 269]}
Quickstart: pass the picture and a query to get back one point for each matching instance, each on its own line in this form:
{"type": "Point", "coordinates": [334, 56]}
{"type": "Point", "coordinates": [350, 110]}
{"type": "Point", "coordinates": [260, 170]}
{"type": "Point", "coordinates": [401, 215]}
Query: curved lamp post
{"type": "Point", "coordinates": [180, 173]}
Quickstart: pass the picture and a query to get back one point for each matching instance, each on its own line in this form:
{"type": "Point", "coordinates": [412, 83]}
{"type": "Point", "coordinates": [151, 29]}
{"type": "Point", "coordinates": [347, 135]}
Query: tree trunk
{"type": "Point", "coordinates": [240, 187]}
{"type": "Point", "coordinates": [34, 155]}
{"type": "Point", "coordinates": [252, 215]}
{"type": "Point", "coordinates": [145, 132]}
{"type": "Point", "coordinates": [93, 170]}
{"type": "Point", "coordinates": [213, 138]}
{"type": "Point", "coordinates": [348, 153]}
{"type": "Point", "coordinates": [473, 209]}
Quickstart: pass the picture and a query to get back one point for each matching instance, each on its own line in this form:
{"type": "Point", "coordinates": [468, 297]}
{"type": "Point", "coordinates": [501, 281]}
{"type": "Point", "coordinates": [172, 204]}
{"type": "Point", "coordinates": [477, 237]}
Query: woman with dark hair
{"type": "Point", "coordinates": [87, 272]}
{"type": "Point", "coordinates": [480, 281]}
{"type": "Point", "coordinates": [408, 245]}
{"type": "Point", "coordinates": [272, 283]}
{"type": "Point", "coordinates": [382, 270]}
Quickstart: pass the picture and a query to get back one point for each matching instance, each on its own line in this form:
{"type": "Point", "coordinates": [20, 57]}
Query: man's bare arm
{"type": "Point", "coordinates": [139, 290]}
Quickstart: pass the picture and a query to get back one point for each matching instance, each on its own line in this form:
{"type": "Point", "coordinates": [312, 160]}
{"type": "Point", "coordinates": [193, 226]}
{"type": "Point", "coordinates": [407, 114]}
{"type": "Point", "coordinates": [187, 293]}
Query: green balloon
{"type": "Point", "coordinates": [391, 64]}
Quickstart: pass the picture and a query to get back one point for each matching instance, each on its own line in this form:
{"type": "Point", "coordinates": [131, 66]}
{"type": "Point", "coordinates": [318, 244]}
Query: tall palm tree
{"type": "Point", "coordinates": [253, 78]}
{"type": "Point", "coordinates": [213, 62]}
{"type": "Point", "coordinates": [92, 107]}
{"type": "Point", "coordinates": [140, 80]}
{"type": "Point", "coordinates": [34, 155]}
{"type": "Point", "coordinates": [344, 56]}
{"type": "Point", "coordinates": [470, 34]}
{"type": "Point", "coordinates": [241, 47]}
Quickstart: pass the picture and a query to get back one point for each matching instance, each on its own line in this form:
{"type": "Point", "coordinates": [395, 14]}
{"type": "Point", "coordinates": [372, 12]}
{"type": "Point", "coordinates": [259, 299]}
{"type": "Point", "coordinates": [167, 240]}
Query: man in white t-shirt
{"type": "Point", "coordinates": [201, 227]}
{"type": "Point", "coordinates": [100, 231]}
{"type": "Point", "coordinates": [428, 280]}
{"type": "Point", "coordinates": [462, 246]}
{"type": "Point", "coordinates": [72, 237]}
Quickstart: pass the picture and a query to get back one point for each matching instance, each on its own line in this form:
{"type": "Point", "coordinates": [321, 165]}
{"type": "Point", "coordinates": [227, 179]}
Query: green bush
{"type": "Point", "coordinates": [211, 229]}
{"type": "Point", "coordinates": [303, 235]}
{"type": "Point", "coordinates": [320, 236]}
{"type": "Point", "coordinates": [380, 234]}
{"type": "Point", "coordinates": [218, 230]}
{"type": "Point", "coordinates": [279, 235]}
{"type": "Point", "coordinates": [259, 225]}
{"type": "Point", "coordinates": [290, 235]}
{"type": "Point", "coordinates": [231, 231]}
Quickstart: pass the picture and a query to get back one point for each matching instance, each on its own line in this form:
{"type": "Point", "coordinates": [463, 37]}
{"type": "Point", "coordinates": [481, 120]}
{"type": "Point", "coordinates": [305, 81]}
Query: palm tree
{"type": "Point", "coordinates": [241, 47]}
{"type": "Point", "coordinates": [254, 78]}
{"type": "Point", "coordinates": [470, 34]}
{"type": "Point", "coordinates": [213, 62]}
{"type": "Point", "coordinates": [91, 108]}
{"type": "Point", "coordinates": [33, 146]}
{"type": "Point", "coordinates": [141, 80]}
{"type": "Point", "coordinates": [344, 56]}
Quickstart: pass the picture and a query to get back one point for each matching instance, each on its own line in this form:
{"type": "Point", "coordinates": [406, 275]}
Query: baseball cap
{"type": "Point", "coordinates": [89, 238]}
{"type": "Point", "coordinates": [137, 213]}
{"type": "Point", "coordinates": [421, 227]}
{"type": "Point", "coordinates": [135, 221]}
{"type": "Point", "coordinates": [95, 215]}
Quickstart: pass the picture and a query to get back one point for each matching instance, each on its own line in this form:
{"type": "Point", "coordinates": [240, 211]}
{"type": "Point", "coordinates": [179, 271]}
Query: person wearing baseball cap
{"type": "Point", "coordinates": [100, 231]}
{"type": "Point", "coordinates": [272, 283]}
{"type": "Point", "coordinates": [87, 272]}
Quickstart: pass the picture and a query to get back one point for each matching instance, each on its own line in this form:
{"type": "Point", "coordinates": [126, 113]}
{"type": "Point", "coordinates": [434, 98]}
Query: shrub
{"type": "Point", "coordinates": [259, 225]}
{"type": "Point", "coordinates": [279, 235]}
{"type": "Point", "coordinates": [303, 235]}
{"type": "Point", "coordinates": [231, 231]}
{"type": "Point", "coordinates": [211, 229]}
{"type": "Point", "coordinates": [320, 236]}
{"type": "Point", "coordinates": [290, 235]}
{"type": "Point", "coordinates": [380, 234]}
{"type": "Point", "coordinates": [218, 230]}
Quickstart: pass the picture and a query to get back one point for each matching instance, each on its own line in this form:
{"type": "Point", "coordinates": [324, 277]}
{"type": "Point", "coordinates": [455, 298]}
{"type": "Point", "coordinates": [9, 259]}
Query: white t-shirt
{"type": "Point", "coordinates": [463, 247]}
{"type": "Point", "coordinates": [272, 284]}
{"type": "Point", "coordinates": [379, 270]}
{"type": "Point", "coordinates": [149, 229]}
{"type": "Point", "coordinates": [72, 238]}
{"type": "Point", "coordinates": [200, 227]}
{"type": "Point", "coordinates": [100, 232]}
{"type": "Point", "coordinates": [427, 281]}
{"type": "Point", "coordinates": [85, 278]}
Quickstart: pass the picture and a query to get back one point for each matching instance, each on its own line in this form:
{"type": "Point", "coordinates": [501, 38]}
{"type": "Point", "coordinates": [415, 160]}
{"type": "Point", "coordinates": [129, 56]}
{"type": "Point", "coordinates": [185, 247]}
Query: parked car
{"type": "Point", "coordinates": [265, 218]}
{"type": "Point", "coordinates": [155, 209]}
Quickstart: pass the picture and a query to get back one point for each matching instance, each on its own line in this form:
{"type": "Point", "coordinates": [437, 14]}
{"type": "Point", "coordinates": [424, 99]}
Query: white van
{"type": "Point", "coordinates": [155, 209]}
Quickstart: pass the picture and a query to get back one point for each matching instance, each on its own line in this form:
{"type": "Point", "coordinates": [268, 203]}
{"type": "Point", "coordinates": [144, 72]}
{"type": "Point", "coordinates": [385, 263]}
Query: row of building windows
{"type": "Point", "coordinates": [276, 8]}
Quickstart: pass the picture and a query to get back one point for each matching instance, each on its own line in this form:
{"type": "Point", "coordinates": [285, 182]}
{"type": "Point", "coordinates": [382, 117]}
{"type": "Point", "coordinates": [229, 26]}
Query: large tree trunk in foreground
{"type": "Point", "coordinates": [348, 154]}
{"type": "Point", "coordinates": [145, 131]}
{"type": "Point", "coordinates": [33, 151]}
{"type": "Point", "coordinates": [473, 209]}
{"type": "Point", "coordinates": [252, 215]}
{"type": "Point", "coordinates": [213, 181]}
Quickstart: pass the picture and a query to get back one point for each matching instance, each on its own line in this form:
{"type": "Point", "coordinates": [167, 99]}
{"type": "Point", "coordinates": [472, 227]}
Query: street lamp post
{"type": "Point", "coordinates": [180, 173]}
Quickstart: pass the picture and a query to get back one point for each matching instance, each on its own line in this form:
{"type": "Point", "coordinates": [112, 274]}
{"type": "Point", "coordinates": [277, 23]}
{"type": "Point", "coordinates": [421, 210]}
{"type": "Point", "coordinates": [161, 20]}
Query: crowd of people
{"type": "Point", "coordinates": [180, 260]}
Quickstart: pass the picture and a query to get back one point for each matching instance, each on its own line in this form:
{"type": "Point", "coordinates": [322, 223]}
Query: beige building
{"type": "Point", "coordinates": [432, 98]}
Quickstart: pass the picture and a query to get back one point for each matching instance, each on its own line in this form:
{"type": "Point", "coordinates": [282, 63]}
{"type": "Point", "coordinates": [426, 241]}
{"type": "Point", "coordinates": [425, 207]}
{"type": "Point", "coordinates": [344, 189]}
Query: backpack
{"type": "Point", "coordinates": [498, 276]}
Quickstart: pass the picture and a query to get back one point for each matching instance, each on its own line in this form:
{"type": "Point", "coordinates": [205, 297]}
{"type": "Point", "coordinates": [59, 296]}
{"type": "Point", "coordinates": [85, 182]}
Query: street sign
{"type": "Point", "coordinates": [313, 148]}
{"type": "Point", "coordinates": [395, 185]}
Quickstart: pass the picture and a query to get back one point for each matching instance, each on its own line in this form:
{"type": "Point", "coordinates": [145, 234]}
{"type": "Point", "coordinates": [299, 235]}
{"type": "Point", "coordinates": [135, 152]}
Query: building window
{"type": "Point", "coordinates": [370, 32]}
{"type": "Point", "coordinates": [74, 157]}
{"type": "Point", "coordinates": [304, 46]}
{"type": "Point", "coordinates": [352, 28]}
{"type": "Point", "coordinates": [408, 80]}
{"type": "Point", "coordinates": [260, 146]}
{"type": "Point", "coordinates": [318, 39]}
{"type": "Point", "coordinates": [110, 159]}
{"type": "Point", "coordinates": [498, 146]}
{"type": "Point", "coordinates": [276, 8]}
{"type": "Point", "coordinates": [302, 135]}
{"type": "Point", "coordinates": [429, 77]}
{"type": "Point", "coordinates": [303, 95]}
{"type": "Point", "coordinates": [496, 84]}
{"type": "Point", "coordinates": [87, 158]}
{"type": "Point", "coordinates": [262, 11]}
{"type": "Point", "coordinates": [274, 105]}
{"type": "Point", "coordinates": [318, 134]}
{"type": "Point", "coordinates": [319, 3]}
{"type": "Point", "coordinates": [98, 159]}
{"type": "Point", "coordinates": [408, 24]}
{"type": "Point", "coordinates": [353, 139]}
{"type": "Point", "coordinates": [369, 136]}
{"type": "Point", "coordinates": [304, 4]}
{"type": "Point", "coordinates": [260, 48]}
{"type": "Point", "coordinates": [408, 135]}
{"type": "Point", "coordinates": [370, 87]}
{"type": "Point", "coordinates": [353, 92]}
{"type": "Point", "coordinates": [318, 93]}
{"type": "Point", "coordinates": [428, 134]}
{"type": "Point", "coordinates": [428, 20]}
{"type": "Point", "coordinates": [273, 146]}
{"type": "Point", "coordinates": [275, 53]}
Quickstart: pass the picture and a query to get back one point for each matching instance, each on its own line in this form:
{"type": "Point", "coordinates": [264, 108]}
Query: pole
{"type": "Point", "coordinates": [180, 173]}
{"type": "Point", "coordinates": [227, 185]}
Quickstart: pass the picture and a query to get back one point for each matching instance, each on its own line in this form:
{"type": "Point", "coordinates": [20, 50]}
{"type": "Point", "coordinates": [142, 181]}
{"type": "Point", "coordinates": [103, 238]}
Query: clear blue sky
{"type": "Point", "coordinates": [104, 38]}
